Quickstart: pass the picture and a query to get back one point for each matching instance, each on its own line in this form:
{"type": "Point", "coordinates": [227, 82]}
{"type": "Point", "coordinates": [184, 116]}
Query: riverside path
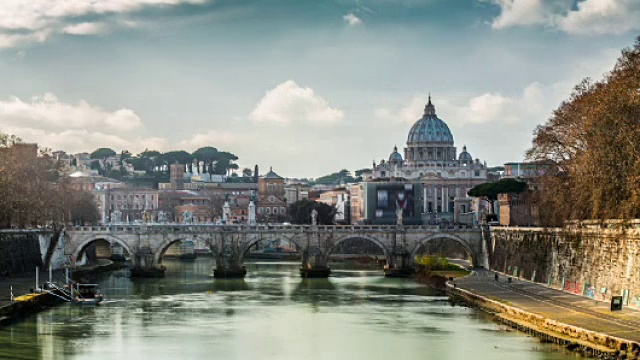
{"type": "Point", "coordinates": [555, 305]}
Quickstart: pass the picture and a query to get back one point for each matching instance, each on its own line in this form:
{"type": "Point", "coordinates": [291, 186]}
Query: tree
{"type": "Point", "coordinates": [215, 202]}
{"type": "Point", "coordinates": [28, 191]}
{"type": "Point", "coordinates": [342, 176]}
{"type": "Point", "coordinates": [84, 209]}
{"type": "Point", "coordinates": [300, 212]}
{"type": "Point", "coordinates": [592, 141]}
{"type": "Point", "coordinates": [102, 153]}
{"type": "Point", "coordinates": [490, 191]}
{"type": "Point", "coordinates": [246, 172]}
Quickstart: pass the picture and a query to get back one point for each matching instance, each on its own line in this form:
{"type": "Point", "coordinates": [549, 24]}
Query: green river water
{"type": "Point", "coordinates": [271, 314]}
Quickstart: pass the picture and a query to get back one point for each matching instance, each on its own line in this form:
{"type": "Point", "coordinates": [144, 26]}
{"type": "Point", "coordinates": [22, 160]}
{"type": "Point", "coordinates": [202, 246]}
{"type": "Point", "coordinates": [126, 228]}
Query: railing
{"type": "Point", "coordinates": [275, 228]}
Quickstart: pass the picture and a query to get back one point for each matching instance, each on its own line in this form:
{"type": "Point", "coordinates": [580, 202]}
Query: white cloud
{"type": "Point", "coordinates": [85, 28]}
{"type": "Point", "coordinates": [535, 101]}
{"type": "Point", "coordinates": [212, 138]}
{"type": "Point", "coordinates": [352, 19]}
{"type": "Point", "coordinates": [49, 112]}
{"type": "Point", "coordinates": [27, 21]}
{"type": "Point", "coordinates": [588, 17]}
{"type": "Point", "coordinates": [289, 102]}
{"type": "Point", "coordinates": [602, 17]}
{"type": "Point", "coordinates": [520, 12]}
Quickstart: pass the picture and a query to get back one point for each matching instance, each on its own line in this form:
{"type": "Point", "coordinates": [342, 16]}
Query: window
{"type": "Point", "coordinates": [275, 210]}
{"type": "Point", "coordinates": [476, 173]}
{"type": "Point", "coordinates": [268, 210]}
{"type": "Point", "coordinates": [383, 198]}
{"type": "Point", "coordinates": [283, 211]}
{"type": "Point", "coordinates": [259, 210]}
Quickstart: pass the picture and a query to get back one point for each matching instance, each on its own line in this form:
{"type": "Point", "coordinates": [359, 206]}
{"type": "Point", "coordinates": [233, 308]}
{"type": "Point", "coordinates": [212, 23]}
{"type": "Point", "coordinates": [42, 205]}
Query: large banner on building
{"type": "Point", "coordinates": [395, 196]}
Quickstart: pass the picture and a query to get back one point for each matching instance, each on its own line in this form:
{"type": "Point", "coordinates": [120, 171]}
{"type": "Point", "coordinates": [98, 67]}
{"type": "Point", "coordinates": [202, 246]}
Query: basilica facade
{"type": "Point", "coordinates": [432, 162]}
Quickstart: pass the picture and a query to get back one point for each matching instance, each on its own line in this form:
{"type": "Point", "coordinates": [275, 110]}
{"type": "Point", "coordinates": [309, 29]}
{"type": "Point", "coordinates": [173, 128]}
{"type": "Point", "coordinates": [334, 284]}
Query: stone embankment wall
{"type": "Point", "coordinates": [22, 250]}
{"type": "Point", "coordinates": [598, 263]}
{"type": "Point", "coordinates": [19, 252]}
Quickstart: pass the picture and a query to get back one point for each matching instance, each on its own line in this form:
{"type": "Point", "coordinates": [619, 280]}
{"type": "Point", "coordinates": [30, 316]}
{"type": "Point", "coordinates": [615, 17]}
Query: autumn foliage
{"type": "Point", "coordinates": [593, 140]}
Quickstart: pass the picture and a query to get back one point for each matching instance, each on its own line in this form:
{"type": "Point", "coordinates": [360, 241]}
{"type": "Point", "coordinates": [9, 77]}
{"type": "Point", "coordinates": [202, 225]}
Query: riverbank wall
{"type": "Point", "coordinates": [594, 262]}
{"type": "Point", "coordinates": [22, 250]}
{"type": "Point", "coordinates": [574, 338]}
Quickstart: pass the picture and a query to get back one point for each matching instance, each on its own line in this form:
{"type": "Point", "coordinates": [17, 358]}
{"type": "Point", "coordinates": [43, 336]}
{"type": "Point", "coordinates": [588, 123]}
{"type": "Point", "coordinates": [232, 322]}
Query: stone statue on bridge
{"type": "Point", "coordinates": [399, 216]}
{"type": "Point", "coordinates": [314, 217]}
{"type": "Point", "coordinates": [187, 217]}
{"type": "Point", "coordinates": [116, 217]}
{"type": "Point", "coordinates": [162, 217]}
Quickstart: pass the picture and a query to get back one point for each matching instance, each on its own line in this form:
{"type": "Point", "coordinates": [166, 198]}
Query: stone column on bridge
{"type": "Point", "coordinates": [228, 257]}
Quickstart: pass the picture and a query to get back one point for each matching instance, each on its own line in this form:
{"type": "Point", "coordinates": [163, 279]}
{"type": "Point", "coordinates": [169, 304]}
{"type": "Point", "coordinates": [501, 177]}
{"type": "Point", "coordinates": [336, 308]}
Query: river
{"type": "Point", "coordinates": [271, 314]}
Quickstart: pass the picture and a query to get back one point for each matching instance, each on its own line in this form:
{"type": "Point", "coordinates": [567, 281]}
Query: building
{"type": "Point", "coordinates": [383, 199]}
{"type": "Point", "coordinates": [525, 170]}
{"type": "Point", "coordinates": [338, 198]}
{"type": "Point", "coordinates": [272, 204]}
{"type": "Point", "coordinates": [431, 163]}
{"type": "Point", "coordinates": [296, 192]}
{"type": "Point", "coordinates": [356, 199]}
{"type": "Point", "coordinates": [518, 209]}
{"type": "Point", "coordinates": [176, 173]}
{"type": "Point", "coordinates": [123, 204]}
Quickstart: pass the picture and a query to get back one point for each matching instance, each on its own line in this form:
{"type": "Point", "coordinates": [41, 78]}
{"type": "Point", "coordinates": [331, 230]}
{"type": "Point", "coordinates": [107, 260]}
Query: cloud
{"type": "Point", "coordinates": [28, 21]}
{"type": "Point", "coordinates": [212, 138]}
{"type": "Point", "coordinates": [48, 112]}
{"type": "Point", "coordinates": [587, 17]}
{"type": "Point", "coordinates": [288, 102]}
{"type": "Point", "coordinates": [352, 19]}
{"type": "Point", "coordinates": [85, 28]}
{"type": "Point", "coordinates": [534, 102]}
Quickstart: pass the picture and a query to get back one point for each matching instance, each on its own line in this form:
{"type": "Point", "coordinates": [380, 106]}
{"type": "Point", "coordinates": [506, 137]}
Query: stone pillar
{"type": "Point", "coordinates": [314, 260]}
{"type": "Point", "coordinates": [435, 199]}
{"type": "Point", "coordinates": [400, 264]}
{"type": "Point", "coordinates": [144, 265]}
{"type": "Point", "coordinates": [444, 209]}
{"type": "Point", "coordinates": [228, 263]}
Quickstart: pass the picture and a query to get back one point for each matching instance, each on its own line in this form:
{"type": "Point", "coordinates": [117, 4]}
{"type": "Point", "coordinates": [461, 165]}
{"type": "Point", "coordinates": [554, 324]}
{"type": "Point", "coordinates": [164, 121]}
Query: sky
{"type": "Point", "coordinates": [306, 87]}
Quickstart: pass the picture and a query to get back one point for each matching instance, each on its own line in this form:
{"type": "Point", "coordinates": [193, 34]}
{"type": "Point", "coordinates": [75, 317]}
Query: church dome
{"type": "Point", "coordinates": [430, 128]}
{"type": "Point", "coordinates": [395, 157]}
{"type": "Point", "coordinates": [464, 155]}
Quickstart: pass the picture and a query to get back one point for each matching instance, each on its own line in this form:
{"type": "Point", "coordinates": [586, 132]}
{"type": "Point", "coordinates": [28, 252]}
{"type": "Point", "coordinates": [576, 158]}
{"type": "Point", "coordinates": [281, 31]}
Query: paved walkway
{"type": "Point", "coordinates": [555, 304]}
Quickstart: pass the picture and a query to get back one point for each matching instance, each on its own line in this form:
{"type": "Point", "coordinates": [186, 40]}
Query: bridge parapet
{"type": "Point", "coordinates": [207, 228]}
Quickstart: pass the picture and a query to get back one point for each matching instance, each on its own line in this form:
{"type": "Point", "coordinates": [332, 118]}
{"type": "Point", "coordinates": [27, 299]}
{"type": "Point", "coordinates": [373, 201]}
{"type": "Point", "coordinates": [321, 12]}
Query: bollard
{"type": "Point", "coordinates": [496, 276]}
{"type": "Point", "coordinates": [509, 280]}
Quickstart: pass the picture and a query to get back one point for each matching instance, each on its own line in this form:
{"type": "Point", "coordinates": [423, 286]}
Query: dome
{"type": "Point", "coordinates": [395, 157]}
{"type": "Point", "coordinates": [464, 155]}
{"type": "Point", "coordinates": [429, 128]}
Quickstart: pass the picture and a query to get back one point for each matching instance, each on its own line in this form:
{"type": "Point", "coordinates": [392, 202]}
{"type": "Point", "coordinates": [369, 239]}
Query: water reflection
{"type": "Point", "coordinates": [271, 314]}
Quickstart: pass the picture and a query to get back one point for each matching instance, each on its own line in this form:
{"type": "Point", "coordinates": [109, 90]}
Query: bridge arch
{"type": "Point", "coordinates": [459, 240]}
{"type": "Point", "coordinates": [248, 244]}
{"type": "Point", "coordinates": [164, 246]}
{"type": "Point", "coordinates": [79, 250]}
{"type": "Point", "coordinates": [378, 242]}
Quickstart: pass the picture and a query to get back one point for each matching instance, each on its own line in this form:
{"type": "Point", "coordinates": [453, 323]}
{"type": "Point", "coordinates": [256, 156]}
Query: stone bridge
{"type": "Point", "coordinates": [147, 243]}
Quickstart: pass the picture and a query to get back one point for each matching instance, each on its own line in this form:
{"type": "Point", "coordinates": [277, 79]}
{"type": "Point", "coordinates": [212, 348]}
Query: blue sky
{"type": "Point", "coordinates": [308, 87]}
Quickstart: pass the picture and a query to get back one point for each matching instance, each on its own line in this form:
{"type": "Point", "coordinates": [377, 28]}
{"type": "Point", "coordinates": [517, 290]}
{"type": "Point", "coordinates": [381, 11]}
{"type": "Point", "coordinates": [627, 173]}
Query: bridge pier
{"type": "Point", "coordinates": [400, 265]}
{"type": "Point", "coordinates": [144, 265]}
{"type": "Point", "coordinates": [228, 263]}
{"type": "Point", "coordinates": [314, 263]}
